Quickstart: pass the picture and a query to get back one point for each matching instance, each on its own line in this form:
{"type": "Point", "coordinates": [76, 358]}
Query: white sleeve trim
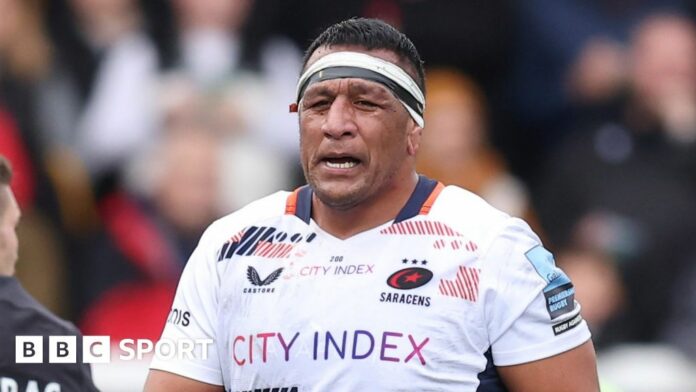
{"type": "Point", "coordinates": [575, 337]}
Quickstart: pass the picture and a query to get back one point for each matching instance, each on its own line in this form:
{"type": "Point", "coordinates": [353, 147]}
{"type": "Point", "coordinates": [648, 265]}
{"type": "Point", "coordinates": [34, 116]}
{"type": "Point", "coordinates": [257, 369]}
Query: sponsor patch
{"type": "Point", "coordinates": [560, 300]}
{"type": "Point", "coordinates": [559, 291]}
{"type": "Point", "coordinates": [261, 348]}
{"type": "Point", "coordinates": [178, 317]}
{"type": "Point", "coordinates": [567, 325]}
{"type": "Point", "coordinates": [254, 278]}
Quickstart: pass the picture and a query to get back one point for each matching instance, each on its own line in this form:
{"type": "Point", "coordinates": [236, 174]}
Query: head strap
{"type": "Point", "coordinates": [340, 65]}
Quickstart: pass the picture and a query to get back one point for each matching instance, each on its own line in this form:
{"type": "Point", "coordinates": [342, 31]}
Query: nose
{"type": "Point", "coordinates": [340, 121]}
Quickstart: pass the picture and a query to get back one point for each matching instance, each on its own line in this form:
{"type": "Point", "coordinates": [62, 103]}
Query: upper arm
{"type": "Point", "coordinates": [193, 318]}
{"type": "Point", "coordinates": [536, 331]}
{"type": "Point", "coordinates": [571, 371]}
{"type": "Point", "coordinates": [158, 380]}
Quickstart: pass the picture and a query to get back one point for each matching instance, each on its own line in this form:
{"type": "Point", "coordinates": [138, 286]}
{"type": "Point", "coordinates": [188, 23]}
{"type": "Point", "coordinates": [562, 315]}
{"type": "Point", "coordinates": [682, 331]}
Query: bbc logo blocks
{"type": "Point", "coordinates": [98, 349]}
{"type": "Point", "coordinates": [29, 349]}
{"type": "Point", "coordinates": [62, 349]}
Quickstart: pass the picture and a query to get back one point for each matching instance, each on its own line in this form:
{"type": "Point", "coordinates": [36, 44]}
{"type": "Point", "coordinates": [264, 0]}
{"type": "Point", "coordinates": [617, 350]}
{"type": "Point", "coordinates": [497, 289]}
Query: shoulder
{"type": "Point", "coordinates": [26, 314]}
{"type": "Point", "coordinates": [478, 221]}
{"type": "Point", "coordinates": [466, 212]}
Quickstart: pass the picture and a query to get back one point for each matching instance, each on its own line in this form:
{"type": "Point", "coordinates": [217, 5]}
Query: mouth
{"type": "Point", "coordinates": [340, 162]}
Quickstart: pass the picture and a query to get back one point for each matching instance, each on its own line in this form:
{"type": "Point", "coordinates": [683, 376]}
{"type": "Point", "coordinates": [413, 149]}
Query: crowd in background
{"type": "Point", "coordinates": [132, 124]}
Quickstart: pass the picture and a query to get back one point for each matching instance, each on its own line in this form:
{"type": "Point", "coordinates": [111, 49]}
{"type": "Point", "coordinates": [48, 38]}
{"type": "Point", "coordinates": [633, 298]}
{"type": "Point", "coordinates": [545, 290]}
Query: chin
{"type": "Point", "coordinates": [342, 199]}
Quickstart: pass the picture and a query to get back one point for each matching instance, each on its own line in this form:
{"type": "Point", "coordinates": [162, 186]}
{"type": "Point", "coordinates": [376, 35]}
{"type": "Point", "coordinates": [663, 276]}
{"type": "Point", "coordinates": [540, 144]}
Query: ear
{"type": "Point", "coordinates": [413, 139]}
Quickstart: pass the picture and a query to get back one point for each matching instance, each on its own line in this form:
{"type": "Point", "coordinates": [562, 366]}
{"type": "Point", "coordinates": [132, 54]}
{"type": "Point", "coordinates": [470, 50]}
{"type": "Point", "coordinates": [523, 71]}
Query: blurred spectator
{"type": "Point", "coordinates": [93, 110]}
{"type": "Point", "coordinates": [598, 286]}
{"type": "Point", "coordinates": [24, 61]}
{"type": "Point", "coordinates": [455, 147]}
{"type": "Point", "coordinates": [209, 38]}
{"type": "Point", "coordinates": [252, 168]}
{"type": "Point", "coordinates": [129, 271]}
{"type": "Point", "coordinates": [251, 77]}
{"type": "Point", "coordinates": [98, 107]}
{"type": "Point", "coordinates": [624, 187]}
{"type": "Point", "coordinates": [664, 75]}
{"type": "Point", "coordinates": [569, 62]}
{"type": "Point", "coordinates": [24, 64]}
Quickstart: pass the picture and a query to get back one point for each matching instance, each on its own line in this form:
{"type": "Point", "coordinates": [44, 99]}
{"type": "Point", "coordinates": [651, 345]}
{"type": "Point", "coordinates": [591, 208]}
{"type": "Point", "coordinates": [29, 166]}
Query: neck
{"type": "Point", "coordinates": [7, 269]}
{"type": "Point", "coordinates": [376, 210]}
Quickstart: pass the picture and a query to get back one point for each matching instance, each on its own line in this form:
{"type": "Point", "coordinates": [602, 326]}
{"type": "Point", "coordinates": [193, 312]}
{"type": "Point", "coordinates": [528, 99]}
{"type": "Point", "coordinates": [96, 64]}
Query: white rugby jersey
{"type": "Point", "coordinates": [433, 300]}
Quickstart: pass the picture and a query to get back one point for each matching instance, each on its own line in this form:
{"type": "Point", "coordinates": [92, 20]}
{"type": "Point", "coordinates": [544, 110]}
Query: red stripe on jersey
{"type": "Point", "coordinates": [452, 289]}
{"type": "Point", "coordinates": [465, 284]}
{"type": "Point", "coordinates": [425, 209]}
{"type": "Point", "coordinates": [291, 202]}
{"type": "Point", "coordinates": [464, 277]}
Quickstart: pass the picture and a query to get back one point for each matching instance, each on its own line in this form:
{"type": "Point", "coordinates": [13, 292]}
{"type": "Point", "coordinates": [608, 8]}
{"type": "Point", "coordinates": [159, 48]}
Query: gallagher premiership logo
{"type": "Point", "coordinates": [255, 279]}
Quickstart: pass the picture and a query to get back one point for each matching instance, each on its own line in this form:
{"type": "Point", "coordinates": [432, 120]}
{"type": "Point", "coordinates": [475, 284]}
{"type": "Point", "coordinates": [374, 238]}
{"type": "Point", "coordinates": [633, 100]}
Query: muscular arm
{"type": "Point", "coordinates": [158, 381]}
{"type": "Point", "coordinates": [572, 371]}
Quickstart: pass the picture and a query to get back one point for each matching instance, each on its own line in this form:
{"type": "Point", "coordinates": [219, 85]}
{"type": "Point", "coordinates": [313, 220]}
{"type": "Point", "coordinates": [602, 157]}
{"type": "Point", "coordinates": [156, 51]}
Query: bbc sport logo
{"type": "Point", "coordinates": [98, 349]}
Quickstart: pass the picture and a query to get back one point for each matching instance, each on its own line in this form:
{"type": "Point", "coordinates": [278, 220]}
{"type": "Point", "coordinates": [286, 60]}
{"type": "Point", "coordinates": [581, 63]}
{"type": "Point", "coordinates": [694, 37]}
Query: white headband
{"type": "Point", "coordinates": [376, 69]}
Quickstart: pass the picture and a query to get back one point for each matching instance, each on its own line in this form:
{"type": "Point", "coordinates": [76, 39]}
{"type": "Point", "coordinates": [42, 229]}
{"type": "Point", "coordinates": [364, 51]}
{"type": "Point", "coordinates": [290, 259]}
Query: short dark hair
{"type": "Point", "coordinates": [5, 171]}
{"type": "Point", "coordinates": [370, 34]}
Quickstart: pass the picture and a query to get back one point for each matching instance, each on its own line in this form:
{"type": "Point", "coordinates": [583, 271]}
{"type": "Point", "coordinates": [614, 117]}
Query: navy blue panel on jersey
{"type": "Point", "coordinates": [413, 206]}
{"type": "Point", "coordinates": [489, 379]}
{"type": "Point", "coordinates": [424, 188]}
{"type": "Point", "coordinates": [304, 204]}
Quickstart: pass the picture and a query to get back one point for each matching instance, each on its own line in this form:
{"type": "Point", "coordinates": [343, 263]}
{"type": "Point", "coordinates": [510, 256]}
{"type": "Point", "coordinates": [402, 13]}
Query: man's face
{"type": "Point", "coordinates": [9, 218]}
{"type": "Point", "coordinates": [354, 136]}
{"type": "Point", "coordinates": [664, 61]}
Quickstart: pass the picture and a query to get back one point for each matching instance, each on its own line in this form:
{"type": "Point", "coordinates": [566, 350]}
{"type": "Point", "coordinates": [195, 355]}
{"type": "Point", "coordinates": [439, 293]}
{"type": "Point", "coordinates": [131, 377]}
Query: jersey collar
{"type": "Point", "coordinates": [299, 202]}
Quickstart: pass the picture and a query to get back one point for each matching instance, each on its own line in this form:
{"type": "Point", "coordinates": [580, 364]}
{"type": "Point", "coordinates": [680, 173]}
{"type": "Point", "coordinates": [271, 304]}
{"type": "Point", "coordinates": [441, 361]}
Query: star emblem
{"type": "Point", "coordinates": [413, 277]}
